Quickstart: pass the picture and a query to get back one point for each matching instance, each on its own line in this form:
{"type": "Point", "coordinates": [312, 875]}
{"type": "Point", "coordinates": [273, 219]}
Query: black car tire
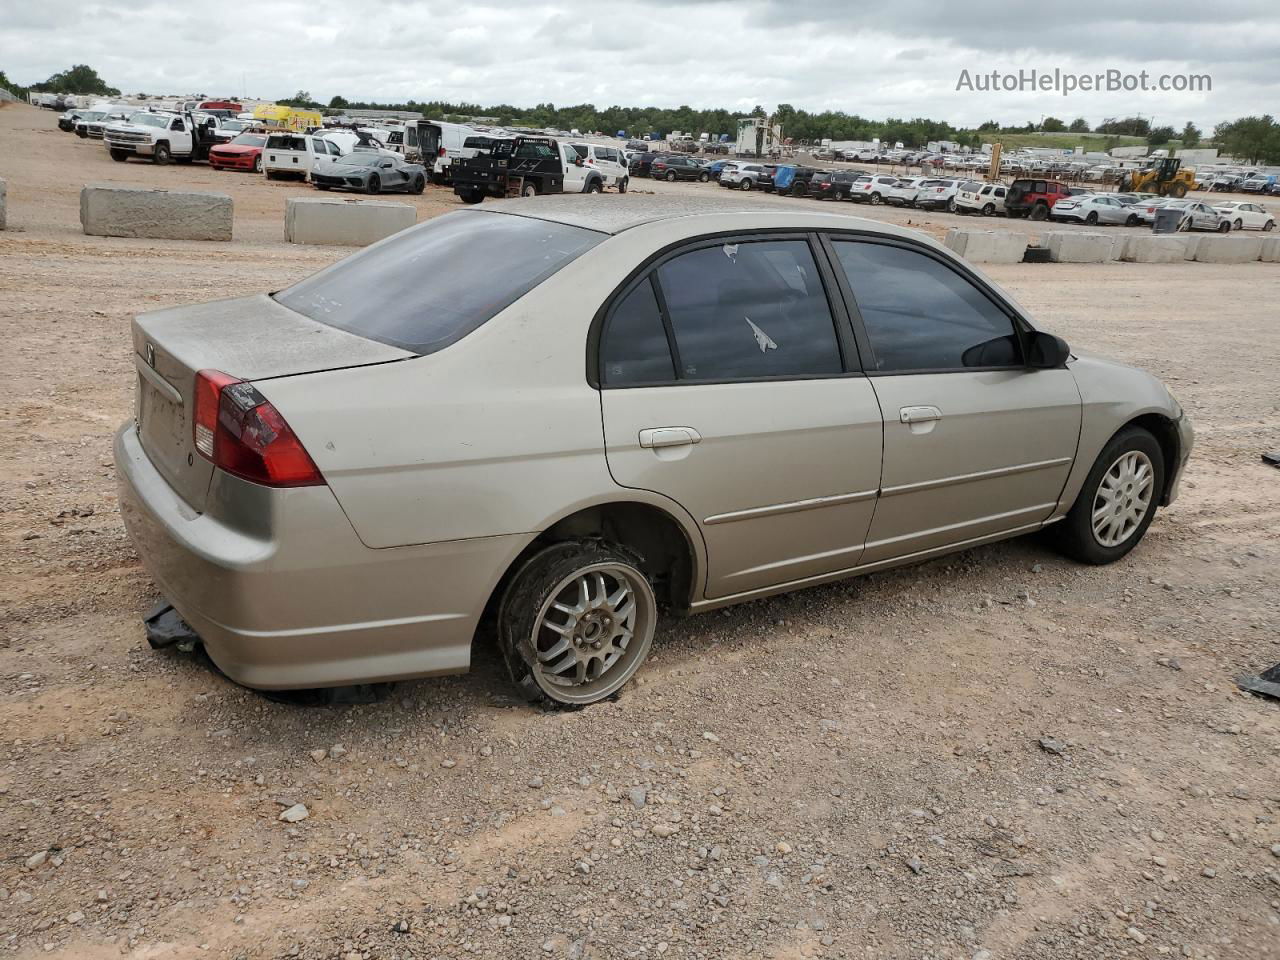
{"type": "Point", "coordinates": [1132, 220]}
{"type": "Point", "coordinates": [875, 199]}
{"type": "Point", "coordinates": [119, 156]}
{"type": "Point", "coordinates": [671, 176]}
{"type": "Point", "coordinates": [1092, 218]}
{"type": "Point", "coordinates": [373, 185]}
{"type": "Point", "coordinates": [419, 184]}
{"type": "Point", "coordinates": [703, 177]}
{"type": "Point", "coordinates": [161, 154]}
{"type": "Point", "coordinates": [745, 185]}
{"type": "Point", "coordinates": [799, 189]}
{"type": "Point", "coordinates": [257, 164]}
{"type": "Point", "coordinates": [1224, 226]}
{"type": "Point", "coordinates": [1269, 226]}
{"type": "Point", "coordinates": [951, 205]}
{"type": "Point", "coordinates": [530, 189]}
{"type": "Point", "coordinates": [473, 196]}
{"type": "Point", "coordinates": [594, 186]}
{"type": "Point", "coordinates": [989, 210]}
{"type": "Point", "coordinates": [322, 186]}
{"type": "Point", "coordinates": [1238, 225]}
{"type": "Point", "coordinates": [1040, 212]}
{"type": "Point", "coordinates": [1074, 533]}
{"type": "Point", "coordinates": [533, 589]}
{"type": "Point", "coordinates": [623, 184]}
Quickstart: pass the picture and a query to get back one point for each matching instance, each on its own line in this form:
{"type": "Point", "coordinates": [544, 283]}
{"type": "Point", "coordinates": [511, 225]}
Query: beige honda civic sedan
{"type": "Point", "coordinates": [540, 422]}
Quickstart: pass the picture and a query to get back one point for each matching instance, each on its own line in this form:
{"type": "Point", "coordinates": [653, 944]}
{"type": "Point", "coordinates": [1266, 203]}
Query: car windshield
{"type": "Point", "coordinates": [92, 115]}
{"type": "Point", "coordinates": [149, 120]}
{"type": "Point", "coordinates": [250, 140]}
{"type": "Point", "coordinates": [359, 159]}
{"type": "Point", "coordinates": [478, 263]}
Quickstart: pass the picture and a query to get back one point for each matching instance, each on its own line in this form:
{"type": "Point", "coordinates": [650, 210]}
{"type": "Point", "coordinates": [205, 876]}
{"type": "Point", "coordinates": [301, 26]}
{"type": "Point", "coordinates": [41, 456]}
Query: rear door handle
{"type": "Point", "coordinates": [654, 437]}
{"type": "Point", "coordinates": [919, 414]}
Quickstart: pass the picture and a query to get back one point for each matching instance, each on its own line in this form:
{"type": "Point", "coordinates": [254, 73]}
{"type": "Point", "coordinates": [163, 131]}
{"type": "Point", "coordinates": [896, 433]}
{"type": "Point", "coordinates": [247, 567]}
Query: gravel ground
{"type": "Point", "coordinates": [995, 755]}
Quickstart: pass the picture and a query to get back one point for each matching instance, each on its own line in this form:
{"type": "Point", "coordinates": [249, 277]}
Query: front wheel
{"type": "Point", "coordinates": [257, 164]}
{"type": "Point", "coordinates": [595, 187]}
{"type": "Point", "coordinates": [576, 622]}
{"type": "Point", "coordinates": [1224, 226]}
{"type": "Point", "coordinates": [1092, 218]}
{"type": "Point", "coordinates": [119, 156]}
{"type": "Point", "coordinates": [1118, 500]}
{"type": "Point", "coordinates": [1132, 220]}
{"type": "Point", "coordinates": [745, 185]}
{"type": "Point", "coordinates": [473, 196]}
{"type": "Point", "coordinates": [1269, 226]}
{"type": "Point", "coordinates": [161, 154]}
{"type": "Point", "coordinates": [704, 177]}
{"type": "Point", "coordinates": [623, 183]}
{"type": "Point", "coordinates": [1040, 212]}
{"type": "Point", "coordinates": [1238, 225]}
{"type": "Point", "coordinates": [989, 210]}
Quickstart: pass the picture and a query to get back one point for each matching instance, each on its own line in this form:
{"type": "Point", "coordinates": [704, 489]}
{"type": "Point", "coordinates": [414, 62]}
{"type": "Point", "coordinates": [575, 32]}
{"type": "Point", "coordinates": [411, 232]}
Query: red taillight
{"type": "Point", "coordinates": [238, 431]}
{"type": "Point", "coordinates": [442, 152]}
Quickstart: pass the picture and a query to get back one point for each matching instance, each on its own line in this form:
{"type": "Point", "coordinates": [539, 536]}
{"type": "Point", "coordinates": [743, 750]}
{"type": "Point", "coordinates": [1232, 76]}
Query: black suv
{"type": "Point", "coordinates": [678, 168]}
{"type": "Point", "coordinates": [831, 184]}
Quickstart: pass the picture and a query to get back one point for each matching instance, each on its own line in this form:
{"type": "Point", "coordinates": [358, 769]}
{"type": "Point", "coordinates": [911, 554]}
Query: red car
{"type": "Point", "coordinates": [242, 153]}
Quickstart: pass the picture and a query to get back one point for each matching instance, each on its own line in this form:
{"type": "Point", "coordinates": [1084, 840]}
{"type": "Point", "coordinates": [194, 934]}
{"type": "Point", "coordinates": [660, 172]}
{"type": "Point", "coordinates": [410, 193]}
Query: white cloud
{"type": "Point", "coordinates": [898, 59]}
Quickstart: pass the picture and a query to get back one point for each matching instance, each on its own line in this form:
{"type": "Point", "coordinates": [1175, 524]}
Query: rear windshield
{"type": "Point", "coordinates": [434, 283]}
{"type": "Point", "coordinates": [283, 141]}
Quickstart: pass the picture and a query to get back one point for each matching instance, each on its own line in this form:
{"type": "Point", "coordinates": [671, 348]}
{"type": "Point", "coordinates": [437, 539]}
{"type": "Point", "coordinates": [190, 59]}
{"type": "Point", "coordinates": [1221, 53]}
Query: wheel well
{"type": "Point", "coordinates": [666, 556]}
{"type": "Point", "coordinates": [1166, 433]}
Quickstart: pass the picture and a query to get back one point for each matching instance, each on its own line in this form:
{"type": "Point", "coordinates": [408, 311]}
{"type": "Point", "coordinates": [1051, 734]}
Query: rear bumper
{"type": "Point", "coordinates": [284, 594]}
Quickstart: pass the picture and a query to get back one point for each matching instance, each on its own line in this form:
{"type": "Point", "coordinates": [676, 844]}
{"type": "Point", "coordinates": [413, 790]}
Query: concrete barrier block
{"type": "Point", "coordinates": [1270, 250]}
{"type": "Point", "coordinates": [1154, 248]}
{"type": "Point", "coordinates": [1193, 244]}
{"type": "Point", "coordinates": [344, 222]}
{"type": "Point", "coordinates": [109, 211]}
{"type": "Point", "coordinates": [1215, 249]}
{"type": "Point", "coordinates": [1076, 247]}
{"type": "Point", "coordinates": [987, 246]}
{"type": "Point", "coordinates": [2, 194]}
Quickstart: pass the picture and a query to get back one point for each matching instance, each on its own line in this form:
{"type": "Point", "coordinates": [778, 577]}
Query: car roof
{"type": "Point", "coordinates": [622, 212]}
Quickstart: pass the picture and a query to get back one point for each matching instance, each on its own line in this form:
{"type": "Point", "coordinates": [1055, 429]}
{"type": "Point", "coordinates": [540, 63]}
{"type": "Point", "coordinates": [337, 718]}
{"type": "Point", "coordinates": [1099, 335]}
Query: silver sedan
{"type": "Point", "coordinates": [535, 424]}
{"type": "Point", "coordinates": [1091, 208]}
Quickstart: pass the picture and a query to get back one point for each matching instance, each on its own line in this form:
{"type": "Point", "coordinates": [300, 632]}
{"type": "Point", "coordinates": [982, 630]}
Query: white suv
{"type": "Point", "coordinates": [988, 199]}
{"type": "Point", "coordinates": [742, 176]}
{"type": "Point", "coordinates": [872, 188]}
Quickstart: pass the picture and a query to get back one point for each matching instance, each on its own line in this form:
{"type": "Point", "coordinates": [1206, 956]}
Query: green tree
{"type": "Point", "coordinates": [1128, 127]}
{"type": "Point", "coordinates": [1190, 135]}
{"type": "Point", "coordinates": [1252, 139]}
{"type": "Point", "coordinates": [1053, 125]}
{"type": "Point", "coordinates": [80, 79]}
{"type": "Point", "coordinates": [1079, 125]}
{"type": "Point", "coordinates": [338, 103]}
{"type": "Point", "coordinates": [7, 84]}
{"type": "Point", "coordinates": [1159, 136]}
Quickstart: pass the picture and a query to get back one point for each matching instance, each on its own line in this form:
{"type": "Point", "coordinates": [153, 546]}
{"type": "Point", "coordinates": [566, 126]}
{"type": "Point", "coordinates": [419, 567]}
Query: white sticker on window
{"type": "Point", "coordinates": [763, 340]}
{"type": "Point", "coordinates": [731, 251]}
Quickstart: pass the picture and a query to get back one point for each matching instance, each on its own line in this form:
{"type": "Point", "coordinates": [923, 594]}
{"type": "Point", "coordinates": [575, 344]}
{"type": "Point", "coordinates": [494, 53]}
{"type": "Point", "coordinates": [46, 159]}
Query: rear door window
{"type": "Point", "coordinates": [750, 310]}
{"type": "Point", "coordinates": [380, 292]}
{"type": "Point", "coordinates": [633, 346]}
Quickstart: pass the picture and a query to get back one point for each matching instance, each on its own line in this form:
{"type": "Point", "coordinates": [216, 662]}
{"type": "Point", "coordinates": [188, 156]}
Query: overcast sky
{"type": "Point", "coordinates": [899, 58]}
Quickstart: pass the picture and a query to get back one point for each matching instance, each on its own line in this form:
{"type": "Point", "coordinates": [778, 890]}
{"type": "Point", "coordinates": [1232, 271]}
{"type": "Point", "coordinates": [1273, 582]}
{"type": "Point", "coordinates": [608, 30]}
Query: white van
{"type": "Point", "coordinates": [438, 144]}
{"type": "Point", "coordinates": [609, 162]}
{"type": "Point", "coordinates": [294, 154]}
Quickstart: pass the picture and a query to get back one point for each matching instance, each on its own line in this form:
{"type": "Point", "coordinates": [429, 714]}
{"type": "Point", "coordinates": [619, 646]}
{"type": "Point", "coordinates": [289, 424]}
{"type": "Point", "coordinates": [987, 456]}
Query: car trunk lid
{"type": "Point", "coordinates": [251, 338]}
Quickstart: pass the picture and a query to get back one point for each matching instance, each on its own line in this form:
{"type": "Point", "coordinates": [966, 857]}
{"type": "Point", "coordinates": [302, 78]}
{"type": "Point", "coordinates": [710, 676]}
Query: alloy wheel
{"type": "Point", "coordinates": [592, 632]}
{"type": "Point", "coordinates": [1123, 498]}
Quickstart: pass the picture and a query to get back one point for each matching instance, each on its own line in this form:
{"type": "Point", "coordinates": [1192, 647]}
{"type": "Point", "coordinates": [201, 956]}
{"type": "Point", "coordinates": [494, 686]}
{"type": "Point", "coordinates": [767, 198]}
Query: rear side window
{"type": "Point", "coordinates": [750, 310]}
{"type": "Point", "coordinates": [434, 283]}
{"type": "Point", "coordinates": [634, 347]}
{"type": "Point", "coordinates": [921, 315]}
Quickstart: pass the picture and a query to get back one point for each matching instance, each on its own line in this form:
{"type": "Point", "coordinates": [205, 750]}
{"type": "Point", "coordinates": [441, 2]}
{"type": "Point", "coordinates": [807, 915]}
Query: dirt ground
{"type": "Point", "coordinates": [850, 771]}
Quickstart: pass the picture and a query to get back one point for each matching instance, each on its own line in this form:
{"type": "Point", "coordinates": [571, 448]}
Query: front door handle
{"type": "Point", "coordinates": [656, 437]}
{"type": "Point", "coordinates": [919, 414]}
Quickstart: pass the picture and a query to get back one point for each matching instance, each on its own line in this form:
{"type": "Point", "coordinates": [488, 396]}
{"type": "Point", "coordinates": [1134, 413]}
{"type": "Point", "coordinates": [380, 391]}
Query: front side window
{"type": "Point", "coordinates": [750, 310]}
{"type": "Point", "coordinates": [380, 293]}
{"type": "Point", "coordinates": [920, 315]}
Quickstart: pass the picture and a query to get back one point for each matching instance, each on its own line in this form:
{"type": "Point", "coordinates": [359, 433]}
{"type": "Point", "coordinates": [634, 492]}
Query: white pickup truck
{"type": "Point", "coordinates": [162, 137]}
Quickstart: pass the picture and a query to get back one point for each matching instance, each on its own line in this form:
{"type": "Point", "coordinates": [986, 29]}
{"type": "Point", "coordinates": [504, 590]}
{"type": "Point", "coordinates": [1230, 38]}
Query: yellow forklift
{"type": "Point", "coordinates": [1167, 177]}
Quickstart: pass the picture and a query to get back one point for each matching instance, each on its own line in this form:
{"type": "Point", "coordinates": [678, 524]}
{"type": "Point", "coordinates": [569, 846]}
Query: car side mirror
{"type": "Point", "coordinates": [1046, 351]}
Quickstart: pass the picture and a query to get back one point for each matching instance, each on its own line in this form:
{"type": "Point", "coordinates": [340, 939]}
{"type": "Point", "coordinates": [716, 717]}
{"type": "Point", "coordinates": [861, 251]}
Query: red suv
{"type": "Point", "coordinates": [1033, 198]}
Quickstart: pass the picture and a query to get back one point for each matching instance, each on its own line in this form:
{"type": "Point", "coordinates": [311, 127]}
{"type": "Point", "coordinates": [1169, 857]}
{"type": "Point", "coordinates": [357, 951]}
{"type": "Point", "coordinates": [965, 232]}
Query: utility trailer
{"type": "Point", "coordinates": [508, 167]}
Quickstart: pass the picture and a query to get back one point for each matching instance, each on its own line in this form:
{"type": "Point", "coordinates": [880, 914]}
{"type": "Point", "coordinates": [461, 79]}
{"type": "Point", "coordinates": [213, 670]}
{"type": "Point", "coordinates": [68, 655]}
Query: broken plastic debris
{"type": "Point", "coordinates": [763, 340]}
